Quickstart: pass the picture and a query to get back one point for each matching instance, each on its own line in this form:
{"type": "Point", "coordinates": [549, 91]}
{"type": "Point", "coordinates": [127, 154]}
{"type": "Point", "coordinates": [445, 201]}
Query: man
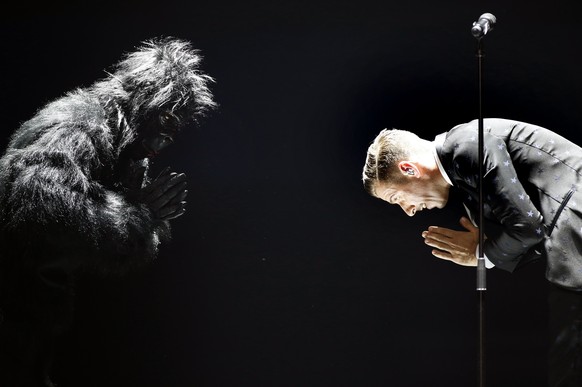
{"type": "Point", "coordinates": [75, 195]}
{"type": "Point", "coordinates": [530, 187]}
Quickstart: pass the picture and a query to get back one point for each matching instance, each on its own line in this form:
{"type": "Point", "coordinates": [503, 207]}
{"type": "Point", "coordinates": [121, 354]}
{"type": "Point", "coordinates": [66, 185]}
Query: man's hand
{"type": "Point", "coordinates": [165, 195]}
{"type": "Point", "coordinates": [452, 245]}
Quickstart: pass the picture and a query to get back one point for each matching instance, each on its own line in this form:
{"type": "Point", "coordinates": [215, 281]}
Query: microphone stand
{"type": "Point", "coordinates": [481, 269]}
{"type": "Point", "coordinates": [479, 30]}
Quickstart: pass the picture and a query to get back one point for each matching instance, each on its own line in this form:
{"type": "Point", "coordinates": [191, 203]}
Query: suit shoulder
{"type": "Point", "coordinates": [461, 137]}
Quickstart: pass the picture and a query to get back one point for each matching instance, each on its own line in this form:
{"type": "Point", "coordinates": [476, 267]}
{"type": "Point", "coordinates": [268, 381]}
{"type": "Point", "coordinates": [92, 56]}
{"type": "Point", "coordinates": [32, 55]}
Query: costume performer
{"type": "Point", "coordinates": [75, 195]}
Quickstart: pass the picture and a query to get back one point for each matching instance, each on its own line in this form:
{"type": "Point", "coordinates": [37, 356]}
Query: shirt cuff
{"type": "Point", "coordinates": [488, 263]}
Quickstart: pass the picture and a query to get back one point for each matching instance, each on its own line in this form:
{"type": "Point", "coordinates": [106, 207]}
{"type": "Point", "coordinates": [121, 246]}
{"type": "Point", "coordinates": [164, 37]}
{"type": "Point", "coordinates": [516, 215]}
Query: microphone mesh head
{"type": "Point", "coordinates": [490, 18]}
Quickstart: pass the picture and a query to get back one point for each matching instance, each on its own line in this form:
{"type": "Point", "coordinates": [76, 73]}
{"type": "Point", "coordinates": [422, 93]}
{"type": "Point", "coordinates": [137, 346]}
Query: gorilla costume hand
{"type": "Point", "coordinates": [165, 195]}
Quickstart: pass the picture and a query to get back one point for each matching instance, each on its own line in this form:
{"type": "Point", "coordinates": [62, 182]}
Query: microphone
{"type": "Point", "coordinates": [483, 25]}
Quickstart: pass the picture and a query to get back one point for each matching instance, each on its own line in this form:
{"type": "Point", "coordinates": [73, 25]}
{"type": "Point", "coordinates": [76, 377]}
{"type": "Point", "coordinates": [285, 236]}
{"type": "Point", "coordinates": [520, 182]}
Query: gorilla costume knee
{"type": "Point", "coordinates": [75, 195]}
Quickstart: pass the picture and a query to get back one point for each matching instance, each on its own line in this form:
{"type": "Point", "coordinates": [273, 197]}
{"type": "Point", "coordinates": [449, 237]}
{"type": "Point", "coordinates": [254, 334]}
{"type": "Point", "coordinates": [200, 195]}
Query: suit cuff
{"type": "Point", "coordinates": [488, 263]}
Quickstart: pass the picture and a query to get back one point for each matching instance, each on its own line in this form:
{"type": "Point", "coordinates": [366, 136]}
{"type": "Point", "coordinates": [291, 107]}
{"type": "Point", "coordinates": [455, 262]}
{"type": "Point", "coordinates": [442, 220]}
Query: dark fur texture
{"type": "Point", "coordinates": [65, 181]}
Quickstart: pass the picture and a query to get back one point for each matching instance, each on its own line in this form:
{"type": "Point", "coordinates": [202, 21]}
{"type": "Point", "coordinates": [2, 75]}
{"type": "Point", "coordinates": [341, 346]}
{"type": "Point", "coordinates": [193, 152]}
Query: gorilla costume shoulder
{"type": "Point", "coordinates": [74, 189]}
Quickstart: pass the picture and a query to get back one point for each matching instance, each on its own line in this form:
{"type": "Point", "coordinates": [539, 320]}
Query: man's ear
{"type": "Point", "coordinates": [408, 168]}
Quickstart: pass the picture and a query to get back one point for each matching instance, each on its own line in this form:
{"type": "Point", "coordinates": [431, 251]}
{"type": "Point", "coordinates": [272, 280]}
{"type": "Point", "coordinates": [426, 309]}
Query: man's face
{"type": "Point", "coordinates": [415, 195]}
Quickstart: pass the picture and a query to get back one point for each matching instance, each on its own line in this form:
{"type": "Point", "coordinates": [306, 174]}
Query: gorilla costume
{"type": "Point", "coordinates": [75, 195]}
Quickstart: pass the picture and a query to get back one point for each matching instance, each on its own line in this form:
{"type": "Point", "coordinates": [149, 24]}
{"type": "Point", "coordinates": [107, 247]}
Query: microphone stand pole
{"type": "Point", "coordinates": [481, 270]}
{"type": "Point", "coordinates": [480, 28]}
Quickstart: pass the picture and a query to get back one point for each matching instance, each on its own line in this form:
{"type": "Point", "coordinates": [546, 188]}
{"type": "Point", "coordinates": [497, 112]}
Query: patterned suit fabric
{"type": "Point", "coordinates": [533, 204]}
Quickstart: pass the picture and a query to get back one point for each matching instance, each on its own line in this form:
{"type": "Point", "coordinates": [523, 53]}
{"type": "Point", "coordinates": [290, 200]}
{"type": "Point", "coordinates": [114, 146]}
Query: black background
{"type": "Point", "coordinates": [283, 272]}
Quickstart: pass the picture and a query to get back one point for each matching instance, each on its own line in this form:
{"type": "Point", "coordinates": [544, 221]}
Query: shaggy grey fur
{"type": "Point", "coordinates": [67, 184]}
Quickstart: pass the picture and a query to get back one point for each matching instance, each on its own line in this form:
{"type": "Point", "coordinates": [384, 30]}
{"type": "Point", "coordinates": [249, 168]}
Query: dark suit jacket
{"type": "Point", "coordinates": [533, 205]}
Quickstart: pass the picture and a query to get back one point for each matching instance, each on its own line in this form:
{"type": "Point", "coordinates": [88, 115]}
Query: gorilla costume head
{"type": "Point", "coordinates": [159, 89]}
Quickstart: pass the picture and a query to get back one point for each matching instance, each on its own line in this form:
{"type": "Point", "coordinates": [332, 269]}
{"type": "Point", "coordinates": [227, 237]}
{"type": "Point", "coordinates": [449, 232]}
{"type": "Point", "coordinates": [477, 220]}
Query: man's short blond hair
{"type": "Point", "coordinates": [388, 148]}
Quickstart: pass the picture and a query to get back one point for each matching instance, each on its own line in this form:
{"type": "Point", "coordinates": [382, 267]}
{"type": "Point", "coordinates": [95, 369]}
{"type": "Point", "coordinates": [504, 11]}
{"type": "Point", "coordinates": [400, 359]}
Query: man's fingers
{"type": "Point", "coordinates": [442, 254]}
{"type": "Point", "coordinates": [440, 234]}
{"type": "Point", "coordinates": [467, 224]}
{"type": "Point", "coordinates": [448, 246]}
{"type": "Point", "coordinates": [437, 244]}
{"type": "Point", "coordinates": [444, 232]}
{"type": "Point", "coordinates": [452, 257]}
{"type": "Point", "coordinates": [443, 242]}
{"type": "Point", "coordinates": [452, 245]}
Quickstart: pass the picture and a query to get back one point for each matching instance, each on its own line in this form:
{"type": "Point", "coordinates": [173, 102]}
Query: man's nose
{"type": "Point", "coordinates": [409, 209]}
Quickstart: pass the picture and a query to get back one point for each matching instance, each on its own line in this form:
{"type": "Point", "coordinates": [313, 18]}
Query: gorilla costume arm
{"type": "Point", "coordinates": [56, 167]}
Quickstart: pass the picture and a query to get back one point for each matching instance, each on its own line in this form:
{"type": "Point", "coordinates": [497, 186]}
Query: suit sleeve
{"type": "Point", "coordinates": [522, 224]}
